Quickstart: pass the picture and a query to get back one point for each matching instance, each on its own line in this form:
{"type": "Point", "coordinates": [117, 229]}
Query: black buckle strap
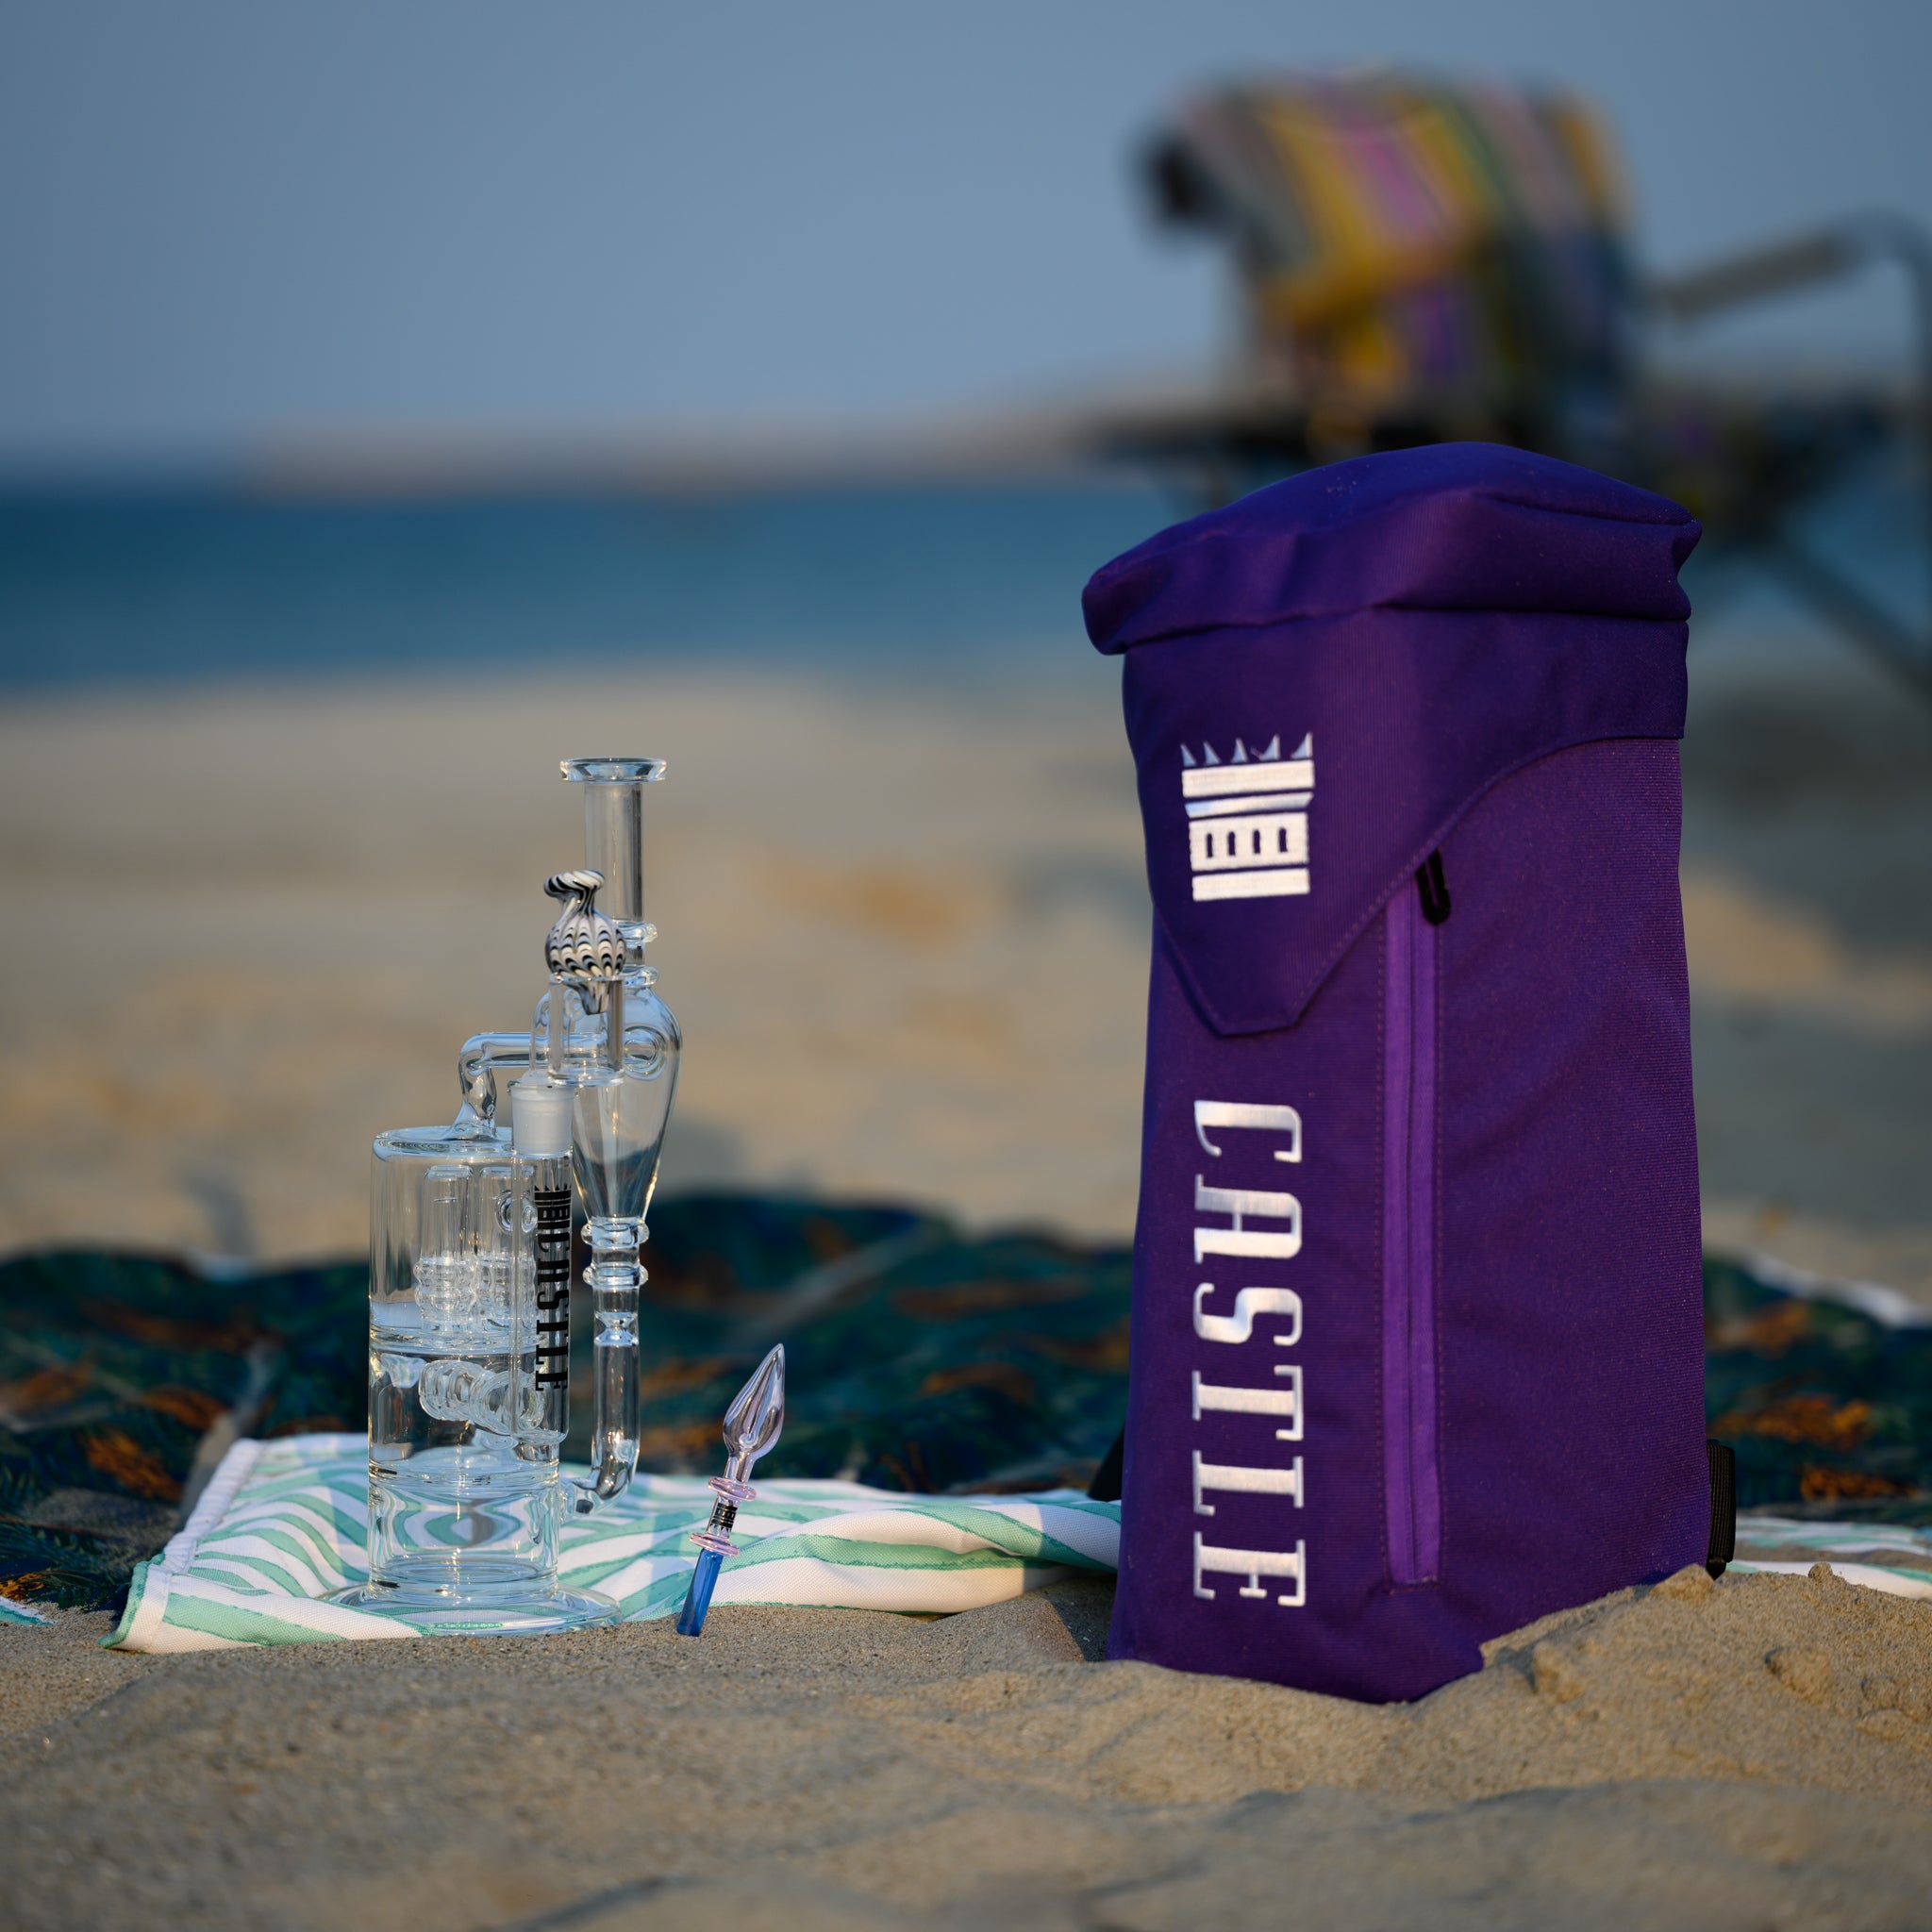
{"type": "Point", "coordinates": [1723, 1460]}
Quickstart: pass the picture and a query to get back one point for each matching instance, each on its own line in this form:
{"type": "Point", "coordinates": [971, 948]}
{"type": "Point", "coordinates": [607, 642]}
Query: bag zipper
{"type": "Point", "coordinates": [1411, 1483]}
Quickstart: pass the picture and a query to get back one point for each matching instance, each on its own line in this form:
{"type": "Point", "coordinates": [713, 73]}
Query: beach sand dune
{"type": "Point", "coordinates": [1753, 1753]}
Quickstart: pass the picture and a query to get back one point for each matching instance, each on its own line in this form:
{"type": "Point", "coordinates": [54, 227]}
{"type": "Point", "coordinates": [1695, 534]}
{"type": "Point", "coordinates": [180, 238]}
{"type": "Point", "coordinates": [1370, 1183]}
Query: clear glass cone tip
{"type": "Point", "coordinates": [758, 1413]}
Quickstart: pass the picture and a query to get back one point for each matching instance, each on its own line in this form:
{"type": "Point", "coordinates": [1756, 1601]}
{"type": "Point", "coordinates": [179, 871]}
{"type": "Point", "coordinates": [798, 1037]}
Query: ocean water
{"type": "Point", "coordinates": [953, 582]}
{"type": "Point", "coordinates": [106, 588]}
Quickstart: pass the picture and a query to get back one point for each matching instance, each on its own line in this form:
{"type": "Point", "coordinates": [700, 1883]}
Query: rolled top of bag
{"type": "Point", "coordinates": [1458, 526]}
{"type": "Point", "coordinates": [1322, 678]}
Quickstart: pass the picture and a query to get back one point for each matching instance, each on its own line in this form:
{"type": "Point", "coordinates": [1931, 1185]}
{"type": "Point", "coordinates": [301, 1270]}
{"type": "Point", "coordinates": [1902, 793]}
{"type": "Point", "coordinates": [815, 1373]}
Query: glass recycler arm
{"type": "Point", "coordinates": [483, 1055]}
{"type": "Point", "coordinates": [477, 1063]}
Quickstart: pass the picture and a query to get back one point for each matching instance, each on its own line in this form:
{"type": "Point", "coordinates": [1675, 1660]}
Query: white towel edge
{"type": "Point", "coordinates": [230, 1473]}
{"type": "Point", "coordinates": [153, 1578]}
{"type": "Point", "coordinates": [1866, 1576]}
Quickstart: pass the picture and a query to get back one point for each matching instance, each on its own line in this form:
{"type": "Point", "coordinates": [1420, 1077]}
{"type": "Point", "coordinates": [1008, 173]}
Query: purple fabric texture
{"type": "Point", "coordinates": [1417, 1352]}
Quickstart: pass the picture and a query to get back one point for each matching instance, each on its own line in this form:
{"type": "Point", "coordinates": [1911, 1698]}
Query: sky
{"type": "Point", "coordinates": [228, 227]}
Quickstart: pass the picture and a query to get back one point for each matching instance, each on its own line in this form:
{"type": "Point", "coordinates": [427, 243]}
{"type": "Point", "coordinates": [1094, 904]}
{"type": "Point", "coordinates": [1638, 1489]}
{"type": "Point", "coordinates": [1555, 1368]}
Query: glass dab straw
{"type": "Point", "coordinates": [751, 1427]}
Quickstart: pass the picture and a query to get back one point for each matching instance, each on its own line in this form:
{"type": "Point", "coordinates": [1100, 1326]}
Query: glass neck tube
{"type": "Point", "coordinates": [614, 837]}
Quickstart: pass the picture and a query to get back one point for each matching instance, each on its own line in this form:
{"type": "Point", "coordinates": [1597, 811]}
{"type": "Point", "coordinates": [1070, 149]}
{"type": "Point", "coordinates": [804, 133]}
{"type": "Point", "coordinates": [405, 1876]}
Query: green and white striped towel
{"type": "Point", "coordinates": [283, 1524]}
{"type": "Point", "coordinates": [1899, 1555]}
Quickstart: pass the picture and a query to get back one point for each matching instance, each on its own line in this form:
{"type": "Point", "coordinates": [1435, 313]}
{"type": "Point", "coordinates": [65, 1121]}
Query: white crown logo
{"type": "Point", "coordinates": [1241, 754]}
{"type": "Point", "coordinates": [1248, 820]}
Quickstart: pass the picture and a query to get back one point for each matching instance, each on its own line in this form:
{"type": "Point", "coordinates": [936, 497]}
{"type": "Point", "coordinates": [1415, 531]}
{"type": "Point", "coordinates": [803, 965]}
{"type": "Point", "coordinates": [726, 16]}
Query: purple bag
{"type": "Point", "coordinates": [1417, 1330]}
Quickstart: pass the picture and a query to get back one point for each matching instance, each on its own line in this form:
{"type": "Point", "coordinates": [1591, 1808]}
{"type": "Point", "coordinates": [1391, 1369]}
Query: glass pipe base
{"type": "Point", "coordinates": [480, 1609]}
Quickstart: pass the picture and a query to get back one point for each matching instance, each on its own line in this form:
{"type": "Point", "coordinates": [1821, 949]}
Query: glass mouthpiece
{"type": "Point", "coordinates": [611, 771]}
{"type": "Point", "coordinates": [614, 830]}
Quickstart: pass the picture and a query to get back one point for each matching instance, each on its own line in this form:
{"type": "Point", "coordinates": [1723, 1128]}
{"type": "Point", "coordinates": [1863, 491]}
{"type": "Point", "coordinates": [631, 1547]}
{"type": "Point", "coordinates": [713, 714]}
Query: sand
{"type": "Point", "coordinates": [1752, 1754]}
{"type": "Point", "coordinates": [904, 935]}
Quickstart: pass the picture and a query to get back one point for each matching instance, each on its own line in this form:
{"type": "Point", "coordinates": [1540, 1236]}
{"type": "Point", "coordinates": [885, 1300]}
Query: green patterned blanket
{"type": "Point", "coordinates": [920, 1361]}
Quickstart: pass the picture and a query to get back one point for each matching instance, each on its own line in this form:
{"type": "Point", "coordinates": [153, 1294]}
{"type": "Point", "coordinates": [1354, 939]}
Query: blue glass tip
{"type": "Point", "coordinates": [698, 1599]}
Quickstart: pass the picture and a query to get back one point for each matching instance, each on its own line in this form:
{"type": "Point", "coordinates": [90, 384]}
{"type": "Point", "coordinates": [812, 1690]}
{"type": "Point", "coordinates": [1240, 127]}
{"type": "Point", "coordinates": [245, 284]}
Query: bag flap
{"type": "Point", "coordinates": [1301, 752]}
{"type": "Point", "coordinates": [1458, 526]}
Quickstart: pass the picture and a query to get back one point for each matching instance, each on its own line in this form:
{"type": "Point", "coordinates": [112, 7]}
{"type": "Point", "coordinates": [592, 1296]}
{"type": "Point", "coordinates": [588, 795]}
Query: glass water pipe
{"type": "Point", "coordinates": [471, 1263]}
{"type": "Point", "coordinates": [751, 1427]}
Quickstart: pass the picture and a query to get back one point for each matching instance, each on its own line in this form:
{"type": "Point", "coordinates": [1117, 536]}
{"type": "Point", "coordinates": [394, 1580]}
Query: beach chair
{"type": "Point", "coordinates": [1424, 261]}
